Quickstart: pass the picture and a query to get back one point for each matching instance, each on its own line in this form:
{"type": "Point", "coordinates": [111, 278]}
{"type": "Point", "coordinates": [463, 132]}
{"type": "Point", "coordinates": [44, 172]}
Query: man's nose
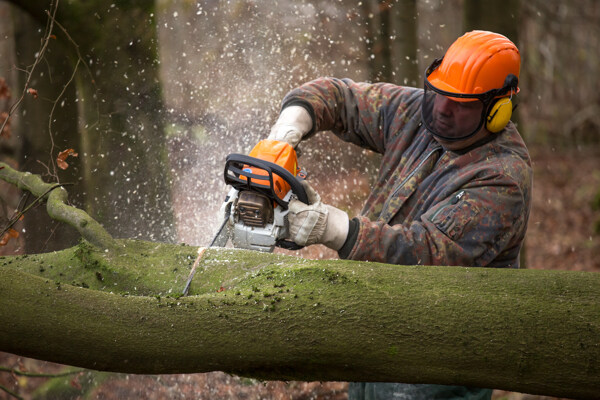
{"type": "Point", "coordinates": [445, 105]}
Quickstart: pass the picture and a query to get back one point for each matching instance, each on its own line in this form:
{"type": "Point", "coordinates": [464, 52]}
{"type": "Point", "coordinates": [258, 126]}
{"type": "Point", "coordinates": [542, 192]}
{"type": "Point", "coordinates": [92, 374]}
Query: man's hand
{"type": "Point", "coordinates": [293, 123]}
{"type": "Point", "coordinates": [317, 222]}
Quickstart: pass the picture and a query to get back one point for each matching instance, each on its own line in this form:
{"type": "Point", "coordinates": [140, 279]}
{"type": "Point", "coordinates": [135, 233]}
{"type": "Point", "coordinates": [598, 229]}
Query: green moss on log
{"type": "Point", "coordinates": [278, 317]}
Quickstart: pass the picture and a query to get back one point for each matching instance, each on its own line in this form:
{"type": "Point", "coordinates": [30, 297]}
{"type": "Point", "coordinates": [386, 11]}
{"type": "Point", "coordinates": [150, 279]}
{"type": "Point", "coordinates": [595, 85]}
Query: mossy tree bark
{"type": "Point", "coordinates": [119, 308]}
{"type": "Point", "coordinates": [280, 317]}
{"type": "Point", "coordinates": [121, 114]}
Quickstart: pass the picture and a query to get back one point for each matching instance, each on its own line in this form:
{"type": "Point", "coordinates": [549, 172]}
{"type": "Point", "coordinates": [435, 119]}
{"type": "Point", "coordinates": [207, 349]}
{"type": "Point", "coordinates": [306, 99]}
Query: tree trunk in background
{"type": "Point", "coordinates": [370, 23]}
{"type": "Point", "coordinates": [501, 17]}
{"type": "Point", "coordinates": [383, 45]}
{"type": "Point", "coordinates": [391, 40]}
{"type": "Point", "coordinates": [404, 43]}
{"type": "Point", "coordinates": [278, 317]}
{"type": "Point", "coordinates": [122, 147]}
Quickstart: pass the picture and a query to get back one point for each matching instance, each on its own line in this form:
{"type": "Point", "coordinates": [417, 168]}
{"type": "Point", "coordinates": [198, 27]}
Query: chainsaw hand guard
{"type": "Point", "coordinates": [240, 175]}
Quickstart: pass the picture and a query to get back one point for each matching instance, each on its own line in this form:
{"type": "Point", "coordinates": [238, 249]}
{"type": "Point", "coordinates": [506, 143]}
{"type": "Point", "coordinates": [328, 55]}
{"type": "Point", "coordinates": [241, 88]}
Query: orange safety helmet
{"type": "Point", "coordinates": [481, 68]}
{"type": "Point", "coordinates": [477, 62]}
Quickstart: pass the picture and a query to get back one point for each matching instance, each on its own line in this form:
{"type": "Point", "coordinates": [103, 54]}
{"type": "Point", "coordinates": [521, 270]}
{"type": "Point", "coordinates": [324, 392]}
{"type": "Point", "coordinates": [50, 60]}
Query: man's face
{"type": "Point", "coordinates": [455, 119]}
{"type": "Point", "coordinates": [456, 123]}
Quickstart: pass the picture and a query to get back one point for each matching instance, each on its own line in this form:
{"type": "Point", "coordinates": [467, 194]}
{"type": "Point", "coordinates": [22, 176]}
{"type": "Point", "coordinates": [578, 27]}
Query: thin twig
{"type": "Point", "coordinates": [48, 173]}
{"type": "Point", "coordinates": [50, 119]}
{"type": "Point", "coordinates": [38, 59]}
{"type": "Point", "coordinates": [79, 58]}
{"type": "Point", "coordinates": [10, 392]}
{"type": "Point", "coordinates": [55, 226]}
{"type": "Point", "coordinates": [38, 374]}
{"type": "Point", "coordinates": [23, 200]}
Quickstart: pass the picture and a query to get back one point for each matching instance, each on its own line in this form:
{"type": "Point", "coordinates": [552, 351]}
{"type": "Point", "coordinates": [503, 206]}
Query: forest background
{"type": "Point", "coordinates": [153, 97]}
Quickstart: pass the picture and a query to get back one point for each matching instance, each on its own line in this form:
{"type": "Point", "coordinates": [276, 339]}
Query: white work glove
{"type": "Point", "coordinates": [293, 123]}
{"type": "Point", "coordinates": [317, 222]}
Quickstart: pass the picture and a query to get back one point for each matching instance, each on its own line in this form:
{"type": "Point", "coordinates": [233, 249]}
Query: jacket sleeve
{"type": "Point", "coordinates": [469, 228]}
{"type": "Point", "coordinates": [361, 113]}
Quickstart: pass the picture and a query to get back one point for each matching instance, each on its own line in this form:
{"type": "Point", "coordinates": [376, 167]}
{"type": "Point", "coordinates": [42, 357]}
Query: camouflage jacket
{"type": "Point", "coordinates": [429, 206]}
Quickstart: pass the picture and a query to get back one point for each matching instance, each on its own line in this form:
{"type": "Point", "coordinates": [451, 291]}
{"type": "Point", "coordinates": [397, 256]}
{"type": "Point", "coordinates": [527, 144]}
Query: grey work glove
{"type": "Point", "coordinates": [317, 222]}
{"type": "Point", "coordinates": [293, 123]}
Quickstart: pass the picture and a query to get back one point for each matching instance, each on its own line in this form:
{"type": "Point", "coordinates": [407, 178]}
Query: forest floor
{"type": "Point", "coordinates": [560, 236]}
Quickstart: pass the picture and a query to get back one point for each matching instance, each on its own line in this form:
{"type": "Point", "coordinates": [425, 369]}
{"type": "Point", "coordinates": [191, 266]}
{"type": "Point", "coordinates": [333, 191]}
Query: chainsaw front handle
{"type": "Point", "coordinates": [237, 174]}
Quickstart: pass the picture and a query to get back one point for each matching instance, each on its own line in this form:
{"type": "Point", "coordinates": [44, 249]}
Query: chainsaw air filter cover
{"type": "Point", "coordinates": [254, 209]}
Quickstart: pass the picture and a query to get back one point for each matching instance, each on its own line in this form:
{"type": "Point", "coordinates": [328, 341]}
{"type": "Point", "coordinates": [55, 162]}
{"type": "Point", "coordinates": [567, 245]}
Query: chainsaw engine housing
{"type": "Point", "coordinates": [256, 207]}
{"type": "Point", "coordinates": [256, 224]}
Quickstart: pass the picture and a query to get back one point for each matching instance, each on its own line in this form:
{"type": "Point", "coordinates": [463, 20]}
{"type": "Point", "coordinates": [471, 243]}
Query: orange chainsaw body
{"type": "Point", "coordinates": [276, 152]}
{"type": "Point", "coordinates": [263, 182]}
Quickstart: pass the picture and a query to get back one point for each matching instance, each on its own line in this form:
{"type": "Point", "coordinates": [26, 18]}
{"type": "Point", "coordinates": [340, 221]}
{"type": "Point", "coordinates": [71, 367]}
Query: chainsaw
{"type": "Point", "coordinates": [256, 207]}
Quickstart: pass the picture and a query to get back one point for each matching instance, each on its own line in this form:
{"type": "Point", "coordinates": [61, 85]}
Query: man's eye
{"type": "Point", "coordinates": [470, 105]}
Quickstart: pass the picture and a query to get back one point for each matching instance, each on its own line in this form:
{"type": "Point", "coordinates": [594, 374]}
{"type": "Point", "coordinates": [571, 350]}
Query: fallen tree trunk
{"type": "Point", "coordinates": [279, 317]}
{"type": "Point", "coordinates": [116, 305]}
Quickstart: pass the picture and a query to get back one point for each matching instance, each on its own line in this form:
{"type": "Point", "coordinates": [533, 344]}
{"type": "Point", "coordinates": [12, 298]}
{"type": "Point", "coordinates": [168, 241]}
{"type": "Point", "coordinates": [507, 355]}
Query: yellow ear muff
{"type": "Point", "coordinates": [499, 115]}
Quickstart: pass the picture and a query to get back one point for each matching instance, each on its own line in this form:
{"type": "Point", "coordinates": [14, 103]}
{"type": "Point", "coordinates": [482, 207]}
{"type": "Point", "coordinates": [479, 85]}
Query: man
{"type": "Point", "coordinates": [454, 186]}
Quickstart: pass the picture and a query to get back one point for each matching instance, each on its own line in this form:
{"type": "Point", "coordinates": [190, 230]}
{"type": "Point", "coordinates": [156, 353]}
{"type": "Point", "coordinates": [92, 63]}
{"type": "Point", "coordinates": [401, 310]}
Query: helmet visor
{"type": "Point", "coordinates": [452, 116]}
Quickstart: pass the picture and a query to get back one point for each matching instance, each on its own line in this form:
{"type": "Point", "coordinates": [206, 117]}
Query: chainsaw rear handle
{"type": "Point", "coordinates": [235, 165]}
{"type": "Point", "coordinates": [288, 245]}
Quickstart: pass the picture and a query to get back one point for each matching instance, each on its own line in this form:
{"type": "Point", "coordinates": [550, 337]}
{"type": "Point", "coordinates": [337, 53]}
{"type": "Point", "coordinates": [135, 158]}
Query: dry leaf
{"type": "Point", "coordinates": [6, 132]}
{"type": "Point", "coordinates": [62, 156]}
{"type": "Point", "coordinates": [33, 92]}
{"type": "Point", "coordinates": [75, 382]}
{"type": "Point", "coordinates": [10, 234]}
{"type": "Point", "coordinates": [4, 91]}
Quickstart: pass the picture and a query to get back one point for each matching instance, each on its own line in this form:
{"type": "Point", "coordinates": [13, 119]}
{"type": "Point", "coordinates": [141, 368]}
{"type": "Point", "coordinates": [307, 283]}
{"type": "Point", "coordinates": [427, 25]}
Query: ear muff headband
{"type": "Point", "coordinates": [499, 115]}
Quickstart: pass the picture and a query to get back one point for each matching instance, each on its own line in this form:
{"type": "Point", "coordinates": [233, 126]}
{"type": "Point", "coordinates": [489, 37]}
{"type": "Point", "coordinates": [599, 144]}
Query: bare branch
{"type": "Point", "coordinates": [56, 204]}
